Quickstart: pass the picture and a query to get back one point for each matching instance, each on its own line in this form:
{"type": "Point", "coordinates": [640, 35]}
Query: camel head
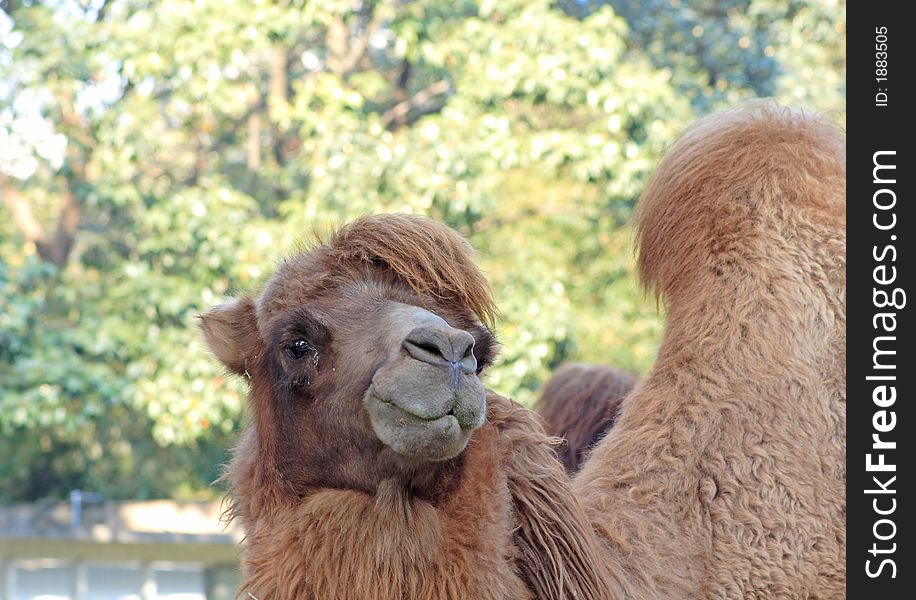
{"type": "Point", "coordinates": [364, 357]}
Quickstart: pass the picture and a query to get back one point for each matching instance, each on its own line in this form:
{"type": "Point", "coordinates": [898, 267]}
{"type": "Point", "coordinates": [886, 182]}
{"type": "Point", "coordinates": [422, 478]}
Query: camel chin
{"type": "Point", "coordinates": [425, 412]}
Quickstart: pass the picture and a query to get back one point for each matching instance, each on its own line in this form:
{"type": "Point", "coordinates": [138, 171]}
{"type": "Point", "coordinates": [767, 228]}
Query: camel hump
{"type": "Point", "coordinates": [732, 179]}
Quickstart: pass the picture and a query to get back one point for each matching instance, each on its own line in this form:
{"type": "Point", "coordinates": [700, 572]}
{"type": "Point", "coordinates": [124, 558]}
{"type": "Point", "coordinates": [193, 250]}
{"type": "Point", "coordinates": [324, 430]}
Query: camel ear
{"type": "Point", "coordinates": [231, 331]}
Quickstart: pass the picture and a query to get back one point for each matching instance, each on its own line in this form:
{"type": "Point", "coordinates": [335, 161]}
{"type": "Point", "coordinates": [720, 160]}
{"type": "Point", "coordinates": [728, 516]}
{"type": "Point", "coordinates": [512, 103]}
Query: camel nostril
{"type": "Point", "coordinates": [442, 345]}
{"type": "Point", "coordinates": [465, 348]}
{"type": "Point", "coordinates": [425, 349]}
{"type": "Point", "coordinates": [463, 345]}
{"type": "Point", "coordinates": [428, 348]}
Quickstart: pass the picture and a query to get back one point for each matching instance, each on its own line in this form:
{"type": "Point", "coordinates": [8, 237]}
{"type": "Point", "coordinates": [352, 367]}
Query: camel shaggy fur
{"type": "Point", "coordinates": [374, 464]}
{"type": "Point", "coordinates": [724, 475]}
{"type": "Point", "coordinates": [579, 405]}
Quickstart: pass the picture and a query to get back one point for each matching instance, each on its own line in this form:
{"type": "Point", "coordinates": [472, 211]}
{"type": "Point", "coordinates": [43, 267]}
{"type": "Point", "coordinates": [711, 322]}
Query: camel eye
{"type": "Point", "coordinates": [299, 349]}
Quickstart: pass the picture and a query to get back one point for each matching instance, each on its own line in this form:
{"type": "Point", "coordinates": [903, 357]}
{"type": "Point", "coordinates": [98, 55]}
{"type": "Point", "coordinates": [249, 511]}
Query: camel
{"type": "Point", "coordinates": [579, 404]}
{"type": "Point", "coordinates": [724, 475]}
{"type": "Point", "coordinates": [376, 465]}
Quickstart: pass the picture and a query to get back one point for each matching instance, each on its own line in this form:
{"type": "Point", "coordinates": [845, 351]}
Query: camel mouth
{"type": "Point", "coordinates": [416, 413]}
{"type": "Point", "coordinates": [424, 436]}
{"type": "Point", "coordinates": [405, 417]}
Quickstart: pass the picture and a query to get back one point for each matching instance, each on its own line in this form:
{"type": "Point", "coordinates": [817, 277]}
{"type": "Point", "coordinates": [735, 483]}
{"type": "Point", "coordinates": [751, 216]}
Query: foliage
{"type": "Point", "coordinates": [158, 156]}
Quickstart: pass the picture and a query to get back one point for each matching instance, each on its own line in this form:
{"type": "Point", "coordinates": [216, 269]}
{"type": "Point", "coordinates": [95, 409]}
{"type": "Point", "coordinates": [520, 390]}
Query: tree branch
{"type": "Point", "coordinates": [278, 95]}
{"type": "Point", "coordinates": [21, 211]}
{"type": "Point", "coordinates": [279, 75]}
{"type": "Point", "coordinates": [397, 114]}
{"type": "Point", "coordinates": [344, 57]}
{"type": "Point", "coordinates": [57, 250]}
{"type": "Point", "coordinates": [9, 6]}
{"type": "Point", "coordinates": [100, 15]}
{"type": "Point", "coordinates": [52, 248]}
{"type": "Point", "coordinates": [253, 144]}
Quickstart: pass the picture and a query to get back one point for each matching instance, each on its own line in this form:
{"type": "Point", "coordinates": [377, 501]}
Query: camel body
{"type": "Point", "coordinates": [368, 470]}
{"type": "Point", "coordinates": [724, 476]}
{"type": "Point", "coordinates": [579, 404]}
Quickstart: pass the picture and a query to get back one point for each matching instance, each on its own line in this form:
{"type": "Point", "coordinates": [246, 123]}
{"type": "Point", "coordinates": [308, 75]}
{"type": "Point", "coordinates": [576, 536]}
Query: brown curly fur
{"type": "Point", "coordinates": [431, 258]}
{"type": "Point", "coordinates": [724, 476]}
{"type": "Point", "coordinates": [579, 404]}
{"type": "Point", "coordinates": [496, 522]}
{"type": "Point", "coordinates": [511, 529]}
{"type": "Point", "coordinates": [556, 551]}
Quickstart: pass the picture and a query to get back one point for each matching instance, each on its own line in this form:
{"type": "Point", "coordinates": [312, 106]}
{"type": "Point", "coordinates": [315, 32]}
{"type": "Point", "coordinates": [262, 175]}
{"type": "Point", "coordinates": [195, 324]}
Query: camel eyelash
{"type": "Point", "coordinates": [301, 352]}
{"type": "Point", "coordinates": [301, 348]}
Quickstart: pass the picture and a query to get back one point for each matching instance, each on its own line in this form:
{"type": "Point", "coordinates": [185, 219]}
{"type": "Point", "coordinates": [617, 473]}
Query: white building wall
{"type": "Point", "coordinates": [82, 580]}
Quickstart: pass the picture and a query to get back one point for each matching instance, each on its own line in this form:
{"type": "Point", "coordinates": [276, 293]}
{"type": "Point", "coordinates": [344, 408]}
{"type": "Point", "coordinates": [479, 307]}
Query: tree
{"type": "Point", "coordinates": [160, 155]}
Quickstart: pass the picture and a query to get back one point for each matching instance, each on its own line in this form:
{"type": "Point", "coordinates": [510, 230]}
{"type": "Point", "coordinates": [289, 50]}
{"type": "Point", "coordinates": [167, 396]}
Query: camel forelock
{"type": "Point", "coordinates": [430, 257]}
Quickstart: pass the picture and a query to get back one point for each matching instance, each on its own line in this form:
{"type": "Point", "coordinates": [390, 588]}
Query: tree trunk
{"type": "Point", "coordinates": [253, 149]}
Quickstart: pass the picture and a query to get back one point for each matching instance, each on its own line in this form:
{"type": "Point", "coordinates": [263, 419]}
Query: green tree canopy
{"type": "Point", "coordinates": [158, 156]}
